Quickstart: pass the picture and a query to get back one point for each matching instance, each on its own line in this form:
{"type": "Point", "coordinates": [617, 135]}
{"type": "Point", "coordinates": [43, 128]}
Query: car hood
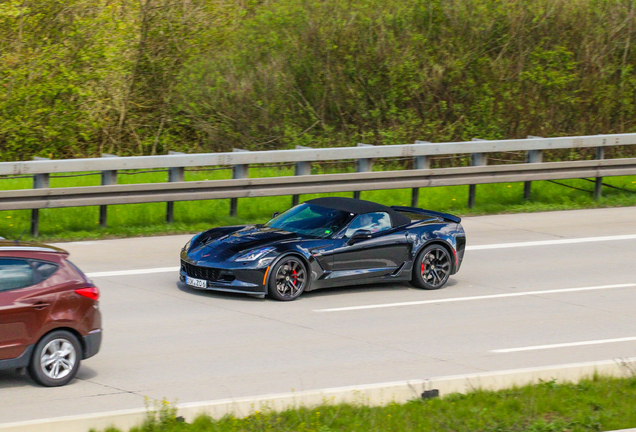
{"type": "Point", "coordinates": [243, 239]}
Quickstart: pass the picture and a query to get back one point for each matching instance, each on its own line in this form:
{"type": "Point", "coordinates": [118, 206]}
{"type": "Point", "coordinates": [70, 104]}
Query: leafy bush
{"type": "Point", "coordinates": [91, 76]}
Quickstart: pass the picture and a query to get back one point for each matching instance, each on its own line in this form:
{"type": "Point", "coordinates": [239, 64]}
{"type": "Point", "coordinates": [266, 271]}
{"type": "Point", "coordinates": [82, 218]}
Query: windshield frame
{"type": "Point", "coordinates": [346, 219]}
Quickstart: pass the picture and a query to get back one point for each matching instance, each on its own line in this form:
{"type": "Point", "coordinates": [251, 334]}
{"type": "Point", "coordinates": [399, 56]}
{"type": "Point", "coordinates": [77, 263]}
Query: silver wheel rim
{"type": "Point", "coordinates": [58, 359]}
{"type": "Point", "coordinates": [290, 279]}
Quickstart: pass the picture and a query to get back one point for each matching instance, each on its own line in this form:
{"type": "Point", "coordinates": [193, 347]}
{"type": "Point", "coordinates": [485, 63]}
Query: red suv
{"type": "Point", "coordinates": [49, 313]}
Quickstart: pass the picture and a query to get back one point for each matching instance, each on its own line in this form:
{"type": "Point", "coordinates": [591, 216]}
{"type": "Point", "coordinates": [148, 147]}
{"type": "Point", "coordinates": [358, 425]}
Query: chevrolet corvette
{"type": "Point", "coordinates": [326, 242]}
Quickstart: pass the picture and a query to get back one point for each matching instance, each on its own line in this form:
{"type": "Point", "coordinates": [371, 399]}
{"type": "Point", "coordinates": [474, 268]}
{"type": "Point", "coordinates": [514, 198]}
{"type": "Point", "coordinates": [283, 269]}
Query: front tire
{"type": "Point", "coordinates": [432, 268]}
{"type": "Point", "coordinates": [56, 359]}
{"type": "Point", "coordinates": [288, 279]}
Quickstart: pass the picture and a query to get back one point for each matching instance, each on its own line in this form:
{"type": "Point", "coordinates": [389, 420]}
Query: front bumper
{"type": "Point", "coordinates": [237, 278]}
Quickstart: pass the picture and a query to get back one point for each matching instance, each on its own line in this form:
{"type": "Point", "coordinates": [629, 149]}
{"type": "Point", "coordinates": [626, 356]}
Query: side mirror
{"type": "Point", "coordinates": [275, 214]}
{"type": "Point", "coordinates": [359, 235]}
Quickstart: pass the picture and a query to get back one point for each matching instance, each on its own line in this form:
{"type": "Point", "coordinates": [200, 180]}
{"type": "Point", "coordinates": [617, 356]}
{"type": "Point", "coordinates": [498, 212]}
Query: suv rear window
{"type": "Point", "coordinates": [15, 273]}
{"type": "Point", "coordinates": [45, 269]}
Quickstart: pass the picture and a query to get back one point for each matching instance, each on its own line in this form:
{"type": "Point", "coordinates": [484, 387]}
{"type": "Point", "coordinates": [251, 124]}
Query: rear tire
{"type": "Point", "coordinates": [288, 279]}
{"type": "Point", "coordinates": [432, 268]}
{"type": "Point", "coordinates": [56, 359]}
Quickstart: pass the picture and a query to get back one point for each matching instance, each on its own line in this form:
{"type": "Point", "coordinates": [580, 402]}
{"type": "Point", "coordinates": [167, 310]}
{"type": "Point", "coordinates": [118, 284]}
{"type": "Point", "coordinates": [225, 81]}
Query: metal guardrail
{"type": "Point", "coordinates": [311, 155]}
{"type": "Point", "coordinates": [302, 183]}
{"type": "Point", "coordinates": [325, 183]}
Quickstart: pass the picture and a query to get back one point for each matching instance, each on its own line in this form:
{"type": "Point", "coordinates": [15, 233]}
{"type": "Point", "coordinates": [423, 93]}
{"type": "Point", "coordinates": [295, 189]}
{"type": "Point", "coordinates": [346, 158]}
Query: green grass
{"type": "Point", "coordinates": [596, 404]}
{"type": "Point", "coordinates": [149, 219]}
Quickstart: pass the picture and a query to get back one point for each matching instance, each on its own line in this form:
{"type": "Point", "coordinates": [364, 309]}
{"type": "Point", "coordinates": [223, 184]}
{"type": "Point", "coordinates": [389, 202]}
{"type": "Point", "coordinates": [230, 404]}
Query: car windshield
{"type": "Point", "coordinates": [311, 220]}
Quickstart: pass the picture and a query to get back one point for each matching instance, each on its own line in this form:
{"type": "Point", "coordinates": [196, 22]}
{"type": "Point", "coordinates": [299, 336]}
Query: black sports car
{"type": "Point", "coordinates": [326, 242]}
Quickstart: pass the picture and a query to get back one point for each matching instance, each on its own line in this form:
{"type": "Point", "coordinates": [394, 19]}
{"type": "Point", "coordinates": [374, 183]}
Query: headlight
{"type": "Point", "coordinates": [187, 245]}
{"type": "Point", "coordinates": [255, 254]}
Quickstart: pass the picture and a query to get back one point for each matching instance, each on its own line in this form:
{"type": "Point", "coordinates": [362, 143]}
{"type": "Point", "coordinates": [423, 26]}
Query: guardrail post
{"type": "Point", "coordinates": [300, 168]}
{"type": "Point", "coordinates": [238, 172]}
{"type": "Point", "coordinates": [175, 174]}
{"type": "Point", "coordinates": [598, 184]}
{"type": "Point", "coordinates": [40, 181]}
{"type": "Point", "coordinates": [476, 159]}
{"type": "Point", "coordinates": [419, 162]}
{"type": "Point", "coordinates": [363, 165]}
{"type": "Point", "coordinates": [532, 156]}
{"type": "Point", "coordinates": [108, 178]}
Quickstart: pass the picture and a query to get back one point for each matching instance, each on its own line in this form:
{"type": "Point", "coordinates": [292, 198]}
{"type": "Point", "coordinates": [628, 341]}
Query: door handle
{"type": "Point", "coordinates": [40, 305]}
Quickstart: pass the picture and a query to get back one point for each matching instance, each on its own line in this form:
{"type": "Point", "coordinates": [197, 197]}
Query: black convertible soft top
{"type": "Point", "coordinates": [357, 206]}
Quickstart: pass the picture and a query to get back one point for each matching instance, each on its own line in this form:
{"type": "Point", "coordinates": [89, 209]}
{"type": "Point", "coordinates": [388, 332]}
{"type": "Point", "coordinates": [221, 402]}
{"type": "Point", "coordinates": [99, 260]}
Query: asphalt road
{"type": "Point", "coordinates": [547, 300]}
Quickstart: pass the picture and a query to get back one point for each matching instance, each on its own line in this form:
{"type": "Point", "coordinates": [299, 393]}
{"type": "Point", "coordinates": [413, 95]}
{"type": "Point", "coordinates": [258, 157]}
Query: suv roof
{"type": "Point", "coordinates": [20, 246]}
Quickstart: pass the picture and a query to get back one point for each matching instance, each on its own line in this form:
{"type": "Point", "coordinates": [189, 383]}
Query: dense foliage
{"type": "Point", "coordinates": [84, 77]}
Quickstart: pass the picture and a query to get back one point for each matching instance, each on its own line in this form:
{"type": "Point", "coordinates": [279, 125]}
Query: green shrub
{"type": "Point", "coordinates": [90, 76]}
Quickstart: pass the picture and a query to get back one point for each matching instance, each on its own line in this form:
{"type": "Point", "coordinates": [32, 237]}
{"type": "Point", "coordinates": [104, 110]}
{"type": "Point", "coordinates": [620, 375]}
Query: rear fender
{"type": "Point", "coordinates": [449, 248]}
{"type": "Point", "coordinates": [446, 216]}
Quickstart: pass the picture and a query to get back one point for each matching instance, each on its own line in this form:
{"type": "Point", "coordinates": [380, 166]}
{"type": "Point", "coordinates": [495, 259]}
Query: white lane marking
{"type": "Point", "coordinates": [563, 345]}
{"type": "Point", "coordinates": [485, 297]}
{"type": "Point", "coordinates": [552, 242]}
{"type": "Point", "coordinates": [133, 272]}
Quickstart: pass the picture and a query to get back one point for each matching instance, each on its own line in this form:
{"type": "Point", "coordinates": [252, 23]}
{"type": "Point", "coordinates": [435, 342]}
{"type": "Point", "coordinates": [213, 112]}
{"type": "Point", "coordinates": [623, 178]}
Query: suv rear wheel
{"type": "Point", "coordinates": [56, 359]}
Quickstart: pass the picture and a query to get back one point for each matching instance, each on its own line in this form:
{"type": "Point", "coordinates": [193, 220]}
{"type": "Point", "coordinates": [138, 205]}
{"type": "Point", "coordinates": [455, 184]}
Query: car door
{"type": "Point", "coordinates": [23, 307]}
{"type": "Point", "coordinates": [380, 255]}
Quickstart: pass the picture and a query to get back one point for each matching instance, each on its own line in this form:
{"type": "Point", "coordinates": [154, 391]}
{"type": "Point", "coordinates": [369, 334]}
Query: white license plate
{"type": "Point", "coordinates": [199, 283]}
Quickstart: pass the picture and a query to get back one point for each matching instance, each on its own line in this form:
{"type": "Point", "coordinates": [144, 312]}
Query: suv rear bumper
{"type": "Point", "coordinates": [92, 342]}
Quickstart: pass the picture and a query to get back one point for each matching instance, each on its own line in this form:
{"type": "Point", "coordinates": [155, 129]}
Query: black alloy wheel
{"type": "Point", "coordinates": [432, 268]}
{"type": "Point", "coordinates": [288, 280]}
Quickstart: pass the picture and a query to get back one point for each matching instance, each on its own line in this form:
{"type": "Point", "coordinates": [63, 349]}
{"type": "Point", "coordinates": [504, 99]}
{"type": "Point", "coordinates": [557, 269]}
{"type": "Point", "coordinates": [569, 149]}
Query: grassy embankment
{"type": "Point", "coordinates": [149, 219]}
{"type": "Point", "coordinates": [595, 404]}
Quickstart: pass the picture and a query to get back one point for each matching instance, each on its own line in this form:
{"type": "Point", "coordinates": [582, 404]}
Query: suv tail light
{"type": "Point", "coordinates": [90, 292]}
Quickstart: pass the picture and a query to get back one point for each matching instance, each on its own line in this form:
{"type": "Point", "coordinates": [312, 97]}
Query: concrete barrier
{"type": "Point", "coordinates": [518, 377]}
{"type": "Point", "coordinates": [371, 395]}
